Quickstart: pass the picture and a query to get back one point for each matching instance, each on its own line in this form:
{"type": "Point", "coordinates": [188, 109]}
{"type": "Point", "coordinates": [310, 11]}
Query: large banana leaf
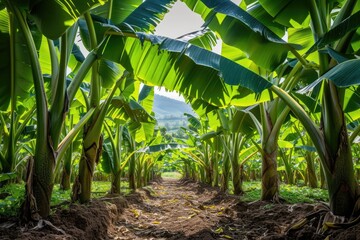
{"type": "Point", "coordinates": [287, 12]}
{"type": "Point", "coordinates": [238, 28]}
{"type": "Point", "coordinates": [203, 38]}
{"type": "Point", "coordinates": [5, 63]}
{"type": "Point", "coordinates": [147, 16]}
{"type": "Point", "coordinates": [116, 10]}
{"type": "Point", "coordinates": [109, 73]}
{"type": "Point", "coordinates": [201, 107]}
{"type": "Point", "coordinates": [107, 157]}
{"type": "Point", "coordinates": [350, 24]}
{"type": "Point", "coordinates": [146, 98]}
{"type": "Point", "coordinates": [343, 75]}
{"type": "Point", "coordinates": [19, 63]}
{"type": "Point", "coordinates": [180, 66]}
{"type": "Point", "coordinates": [53, 17]}
{"type": "Point", "coordinates": [121, 108]}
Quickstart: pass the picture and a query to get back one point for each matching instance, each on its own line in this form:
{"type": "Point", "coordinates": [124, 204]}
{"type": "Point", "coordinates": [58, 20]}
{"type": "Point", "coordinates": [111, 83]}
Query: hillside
{"type": "Point", "coordinates": [166, 108]}
{"type": "Point", "coordinates": [170, 113]}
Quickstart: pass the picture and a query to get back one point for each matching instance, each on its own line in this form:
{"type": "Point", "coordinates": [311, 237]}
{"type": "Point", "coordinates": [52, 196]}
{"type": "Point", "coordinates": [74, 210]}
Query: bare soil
{"type": "Point", "coordinates": [173, 210]}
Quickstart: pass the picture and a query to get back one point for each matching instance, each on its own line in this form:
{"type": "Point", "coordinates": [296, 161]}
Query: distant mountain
{"type": "Point", "coordinates": [166, 108]}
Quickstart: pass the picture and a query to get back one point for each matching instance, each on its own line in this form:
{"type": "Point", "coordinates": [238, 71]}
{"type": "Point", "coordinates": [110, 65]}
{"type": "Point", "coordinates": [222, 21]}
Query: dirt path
{"type": "Point", "coordinates": [175, 210]}
{"type": "Point", "coordinates": [172, 210]}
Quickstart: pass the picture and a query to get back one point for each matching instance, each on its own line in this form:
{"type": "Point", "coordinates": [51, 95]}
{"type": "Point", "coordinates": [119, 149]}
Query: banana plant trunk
{"type": "Point", "coordinates": [132, 177]}
{"type": "Point", "coordinates": [237, 143]}
{"type": "Point", "coordinates": [89, 157]}
{"type": "Point", "coordinates": [39, 184]}
{"type": "Point", "coordinates": [269, 174]}
{"type": "Point", "coordinates": [338, 162]}
{"type": "Point", "coordinates": [225, 173]}
{"type": "Point", "coordinates": [236, 178]}
{"type": "Point", "coordinates": [341, 183]}
{"type": "Point", "coordinates": [66, 171]}
{"type": "Point", "coordinates": [310, 170]}
{"type": "Point", "coordinates": [116, 183]}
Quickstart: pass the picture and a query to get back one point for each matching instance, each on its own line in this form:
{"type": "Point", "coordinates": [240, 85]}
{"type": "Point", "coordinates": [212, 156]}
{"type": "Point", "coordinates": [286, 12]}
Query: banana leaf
{"type": "Point", "coordinates": [180, 66]}
{"type": "Point", "coordinates": [239, 29]}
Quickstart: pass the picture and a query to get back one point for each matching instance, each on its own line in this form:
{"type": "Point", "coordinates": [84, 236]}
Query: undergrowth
{"type": "Point", "coordinates": [13, 195]}
{"type": "Point", "coordinates": [290, 193]}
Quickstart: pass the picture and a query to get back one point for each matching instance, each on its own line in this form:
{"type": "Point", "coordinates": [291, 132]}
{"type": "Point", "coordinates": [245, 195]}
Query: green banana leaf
{"type": "Point", "coordinates": [289, 13]}
{"type": "Point", "coordinates": [194, 121]}
{"type": "Point", "coordinates": [146, 98]}
{"type": "Point", "coordinates": [54, 17]}
{"type": "Point", "coordinates": [121, 108]}
{"type": "Point", "coordinates": [116, 10]}
{"type": "Point", "coordinates": [148, 15]}
{"type": "Point", "coordinates": [203, 38]}
{"type": "Point", "coordinates": [5, 63]}
{"type": "Point", "coordinates": [239, 29]}
{"type": "Point", "coordinates": [22, 74]}
{"type": "Point", "coordinates": [107, 157]}
{"type": "Point", "coordinates": [180, 66]}
{"type": "Point", "coordinates": [201, 108]}
{"type": "Point", "coordinates": [343, 75]}
{"type": "Point", "coordinates": [350, 24]}
{"type": "Point", "coordinates": [109, 73]}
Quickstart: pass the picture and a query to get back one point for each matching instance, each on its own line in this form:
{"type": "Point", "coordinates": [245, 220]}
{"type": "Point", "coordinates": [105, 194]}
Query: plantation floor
{"type": "Point", "coordinates": [173, 210]}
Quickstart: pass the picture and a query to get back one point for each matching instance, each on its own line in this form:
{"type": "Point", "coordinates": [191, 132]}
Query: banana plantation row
{"type": "Point", "coordinates": [281, 101]}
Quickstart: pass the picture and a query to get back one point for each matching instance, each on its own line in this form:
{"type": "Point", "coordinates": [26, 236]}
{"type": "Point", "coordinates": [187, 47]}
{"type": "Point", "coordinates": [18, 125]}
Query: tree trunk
{"type": "Point", "coordinates": [82, 185]}
{"type": "Point", "coordinates": [132, 179]}
{"type": "Point", "coordinates": [208, 175]}
{"type": "Point", "coordinates": [216, 173]}
{"type": "Point", "coordinates": [65, 180]}
{"type": "Point", "coordinates": [66, 171]}
{"type": "Point", "coordinates": [236, 177]}
{"type": "Point", "coordinates": [269, 178]}
{"type": "Point", "coordinates": [322, 178]}
{"type": "Point", "coordinates": [116, 183]}
{"type": "Point", "coordinates": [310, 170]}
{"type": "Point", "coordinates": [341, 180]}
{"type": "Point", "coordinates": [225, 174]}
{"type": "Point", "coordinates": [39, 186]}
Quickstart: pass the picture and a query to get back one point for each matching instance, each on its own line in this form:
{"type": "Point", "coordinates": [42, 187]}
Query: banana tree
{"type": "Point", "coordinates": [331, 140]}
{"type": "Point", "coordinates": [200, 137]}
{"type": "Point", "coordinates": [308, 151]}
{"type": "Point", "coordinates": [119, 112]}
{"type": "Point", "coordinates": [50, 113]}
{"type": "Point", "coordinates": [238, 128]}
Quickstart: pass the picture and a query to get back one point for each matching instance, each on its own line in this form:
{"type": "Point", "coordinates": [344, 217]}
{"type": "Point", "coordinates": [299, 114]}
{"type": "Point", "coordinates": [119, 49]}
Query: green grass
{"type": "Point", "coordinates": [174, 175]}
{"type": "Point", "coordinates": [11, 204]}
{"type": "Point", "coordinates": [291, 193]}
